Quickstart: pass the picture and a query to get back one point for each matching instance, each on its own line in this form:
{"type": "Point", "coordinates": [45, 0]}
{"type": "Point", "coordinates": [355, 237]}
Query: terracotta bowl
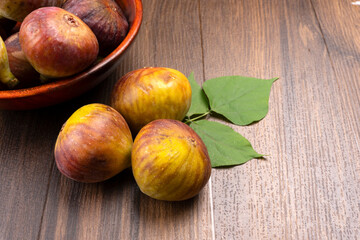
{"type": "Point", "coordinates": [66, 89]}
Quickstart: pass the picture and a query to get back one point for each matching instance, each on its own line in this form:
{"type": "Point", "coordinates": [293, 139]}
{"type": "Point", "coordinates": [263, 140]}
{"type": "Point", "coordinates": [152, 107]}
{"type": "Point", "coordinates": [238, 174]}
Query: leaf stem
{"type": "Point", "coordinates": [190, 120]}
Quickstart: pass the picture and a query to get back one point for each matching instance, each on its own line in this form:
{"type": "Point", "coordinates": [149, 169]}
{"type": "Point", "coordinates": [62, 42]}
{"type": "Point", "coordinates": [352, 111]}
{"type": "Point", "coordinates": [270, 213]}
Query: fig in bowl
{"type": "Point", "coordinates": [18, 9]}
{"type": "Point", "coordinates": [7, 78]}
{"type": "Point", "coordinates": [19, 65]}
{"type": "Point", "coordinates": [57, 43]}
{"type": "Point", "coordinates": [94, 144]}
{"type": "Point", "coordinates": [66, 88]}
{"type": "Point", "coordinates": [104, 17]}
{"type": "Point", "coordinates": [170, 161]}
{"type": "Point", "coordinates": [147, 94]}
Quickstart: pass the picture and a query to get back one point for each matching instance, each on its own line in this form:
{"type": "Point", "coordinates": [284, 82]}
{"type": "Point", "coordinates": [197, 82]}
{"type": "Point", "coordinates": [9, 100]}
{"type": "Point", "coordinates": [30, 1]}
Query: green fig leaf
{"type": "Point", "coordinates": [226, 147]}
{"type": "Point", "coordinates": [199, 101]}
{"type": "Point", "coordinates": [242, 100]}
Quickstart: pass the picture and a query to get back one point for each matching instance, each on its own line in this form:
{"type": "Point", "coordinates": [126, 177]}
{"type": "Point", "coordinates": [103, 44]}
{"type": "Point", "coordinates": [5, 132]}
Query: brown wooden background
{"type": "Point", "coordinates": [307, 188]}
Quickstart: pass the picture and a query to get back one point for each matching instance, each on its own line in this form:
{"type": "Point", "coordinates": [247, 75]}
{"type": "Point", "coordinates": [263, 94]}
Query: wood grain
{"type": "Point", "coordinates": [308, 186]}
{"type": "Point", "coordinates": [341, 33]}
{"type": "Point", "coordinates": [24, 171]}
{"type": "Point", "coordinates": [116, 209]}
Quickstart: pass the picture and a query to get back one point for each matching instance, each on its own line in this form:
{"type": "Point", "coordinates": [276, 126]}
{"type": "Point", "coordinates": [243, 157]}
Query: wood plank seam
{"type": "Point", "coordinates": [323, 37]}
{"type": "Point", "coordinates": [332, 62]}
{"type": "Point", "coordinates": [203, 80]}
{"type": "Point", "coordinates": [46, 200]}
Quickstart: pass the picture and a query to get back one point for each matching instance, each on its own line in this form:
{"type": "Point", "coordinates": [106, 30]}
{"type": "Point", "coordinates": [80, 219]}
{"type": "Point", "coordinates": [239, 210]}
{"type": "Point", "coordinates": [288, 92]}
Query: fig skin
{"type": "Point", "coordinates": [18, 9]}
{"type": "Point", "coordinates": [170, 161]}
{"type": "Point", "coordinates": [105, 18]}
{"type": "Point", "coordinates": [19, 65]}
{"type": "Point", "coordinates": [94, 144]}
{"type": "Point", "coordinates": [57, 43]}
{"type": "Point", "coordinates": [147, 94]}
{"type": "Point", "coordinates": [7, 78]}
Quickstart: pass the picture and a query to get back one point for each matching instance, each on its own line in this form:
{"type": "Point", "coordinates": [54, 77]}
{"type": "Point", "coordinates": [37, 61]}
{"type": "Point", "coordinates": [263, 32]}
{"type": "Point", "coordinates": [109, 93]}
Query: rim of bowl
{"type": "Point", "coordinates": [109, 59]}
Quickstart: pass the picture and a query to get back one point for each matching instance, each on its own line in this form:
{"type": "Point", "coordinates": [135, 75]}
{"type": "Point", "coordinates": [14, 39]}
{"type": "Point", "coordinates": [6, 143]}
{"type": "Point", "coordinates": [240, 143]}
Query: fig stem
{"type": "Point", "coordinates": [190, 120]}
{"type": "Point", "coordinates": [43, 79]}
{"type": "Point", "coordinates": [8, 79]}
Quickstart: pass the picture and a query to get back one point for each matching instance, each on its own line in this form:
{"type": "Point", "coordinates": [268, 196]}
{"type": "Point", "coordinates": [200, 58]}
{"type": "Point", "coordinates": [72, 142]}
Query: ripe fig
{"type": "Point", "coordinates": [94, 144]}
{"type": "Point", "coordinates": [144, 95]}
{"type": "Point", "coordinates": [57, 43]}
{"type": "Point", "coordinates": [7, 79]}
{"type": "Point", "coordinates": [104, 17]}
{"type": "Point", "coordinates": [19, 65]}
{"type": "Point", "coordinates": [170, 161]}
{"type": "Point", "coordinates": [17, 10]}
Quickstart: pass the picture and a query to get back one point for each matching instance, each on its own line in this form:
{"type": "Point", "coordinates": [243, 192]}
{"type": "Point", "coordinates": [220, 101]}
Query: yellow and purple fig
{"type": "Point", "coordinates": [147, 94]}
{"type": "Point", "coordinates": [170, 161]}
{"type": "Point", "coordinates": [57, 43]}
{"type": "Point", "coordinates": [94, 144]}
{"type": "Point", "coordinates": [17, 10]}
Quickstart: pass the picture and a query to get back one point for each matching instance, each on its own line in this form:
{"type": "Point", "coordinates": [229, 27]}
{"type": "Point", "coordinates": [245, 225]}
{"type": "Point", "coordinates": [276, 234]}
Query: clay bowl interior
{"type": "Point", "coordinates": [65, 89]}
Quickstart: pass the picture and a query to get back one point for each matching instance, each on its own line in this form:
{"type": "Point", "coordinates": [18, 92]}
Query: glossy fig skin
{"type": "Point", "coordinates": [170, 161]}
{"type": "Point", "coordinates": [19, 65]}
{"type": "Point", "coordinates": [105, 18]}
{"type": "Point", "coordinates": [94, 144]}
{"type": "Point", "coordinates": [57, 43]}
{"type": "Point", "coordinates": [147, 94]}
{"type": "Point", "coordinates": [18, 9]}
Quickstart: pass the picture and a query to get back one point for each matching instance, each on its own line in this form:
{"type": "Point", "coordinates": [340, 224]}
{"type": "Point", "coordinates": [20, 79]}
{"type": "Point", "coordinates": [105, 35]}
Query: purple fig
{"type": "Point", "coordinates": [104, 17]}
{"type": "Point", "coordinates": [19, 65]}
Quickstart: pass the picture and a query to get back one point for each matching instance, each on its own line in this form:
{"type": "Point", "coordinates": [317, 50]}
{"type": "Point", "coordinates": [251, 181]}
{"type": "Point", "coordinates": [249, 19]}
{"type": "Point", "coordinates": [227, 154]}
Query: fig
{"type": "Point", "coordinates": [57, 43]}
{"type": "Point", "coordinates": [18, 9]}
{"type": "Point", "coordinates": [170, 161]}
{"type": "Point", "coordinates": [147, 94]}
{"type": "Point", "coordinates": [94, 144]}
{"type": "Point", "coordinates": [7, 79]}
{"type": "Point", "coordinates": [104, 17]}
{"type": "Point", "coordinates": [19, 65]}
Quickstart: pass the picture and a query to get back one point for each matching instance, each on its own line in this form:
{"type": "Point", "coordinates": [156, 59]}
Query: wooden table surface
{"type": "Point", "coordinates": [308, 187]}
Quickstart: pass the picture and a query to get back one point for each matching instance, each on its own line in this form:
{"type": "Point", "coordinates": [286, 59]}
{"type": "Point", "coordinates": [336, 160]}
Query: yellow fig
{"type": "Point", "coordinates": [94, 144]}
{"type": "Point", "coordinates": [6, 76]}
{"type": "Point", "coordinates": [170, 161]}
{"type": "Point", "coordinates": [147, 94]}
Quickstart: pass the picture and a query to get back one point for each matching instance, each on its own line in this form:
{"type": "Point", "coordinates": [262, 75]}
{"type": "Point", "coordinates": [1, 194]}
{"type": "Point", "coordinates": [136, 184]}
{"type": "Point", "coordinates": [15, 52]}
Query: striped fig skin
{"type": "Point", "coordinates": [147, 94]}
{"type": "Point", "coordinates": [94, 144]}
{"type": "Point", "coordinates": [18, 9]}
{"type": "Point", "coordinates": [170, 161]}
